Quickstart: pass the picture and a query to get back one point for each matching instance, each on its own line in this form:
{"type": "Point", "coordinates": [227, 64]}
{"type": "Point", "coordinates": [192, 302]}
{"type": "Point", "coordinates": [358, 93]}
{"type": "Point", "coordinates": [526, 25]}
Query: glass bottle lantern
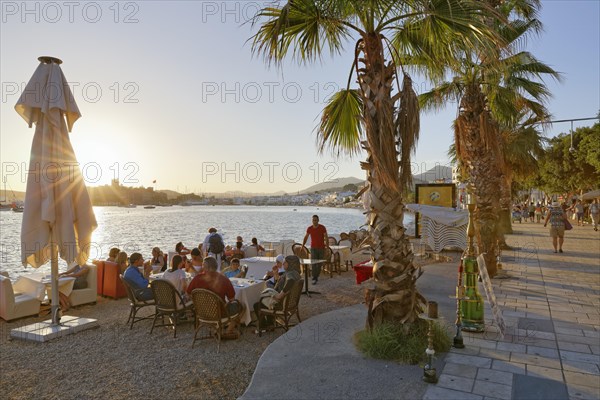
{"type": "Point", "coordinates": [471, 308]}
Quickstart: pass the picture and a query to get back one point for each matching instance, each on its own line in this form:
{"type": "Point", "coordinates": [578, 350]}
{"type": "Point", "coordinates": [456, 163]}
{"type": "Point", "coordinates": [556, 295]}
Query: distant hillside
{"type": "Point", "coordinates": [335, 184]}
{"type": "Point", "coordinates": [9, 195]}
{"type": "Point", "coordinates": [171, 194]}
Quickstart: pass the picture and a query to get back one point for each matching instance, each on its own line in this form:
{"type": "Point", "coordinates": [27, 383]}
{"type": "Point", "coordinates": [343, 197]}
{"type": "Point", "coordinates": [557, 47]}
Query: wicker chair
{"type": "Point", "coordinates": [168, 302]}
{"type": "Point", "coordinates": [288, 309]}
{"type": "Point", "coordinates": [210, 311]}
{"type": "Point", "coordinates": [329, 266]}
{"type": "Point", "coordinates": [134, 303]}
{"type": "Point", "coordinates": [300, 251]}
{"type": "Point", "coordinates": [335, 265]}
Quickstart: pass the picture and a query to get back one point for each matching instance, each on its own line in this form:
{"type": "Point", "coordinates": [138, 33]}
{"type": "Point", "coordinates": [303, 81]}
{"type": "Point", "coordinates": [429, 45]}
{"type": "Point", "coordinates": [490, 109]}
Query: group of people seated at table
{"type": "Point", "coordinates": [239, 250]}
{"type": "Point", "coordinates": [206, 276]}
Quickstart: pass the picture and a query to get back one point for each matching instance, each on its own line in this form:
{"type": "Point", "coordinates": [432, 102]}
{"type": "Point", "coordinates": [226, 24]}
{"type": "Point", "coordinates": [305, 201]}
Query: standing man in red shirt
{"type": "Point", "coordinates": [318, 242]}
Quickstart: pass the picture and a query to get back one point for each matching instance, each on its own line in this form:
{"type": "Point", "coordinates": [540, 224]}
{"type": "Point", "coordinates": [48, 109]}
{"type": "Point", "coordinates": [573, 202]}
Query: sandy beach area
{"type": "Point", "coordinates": [112, 361]}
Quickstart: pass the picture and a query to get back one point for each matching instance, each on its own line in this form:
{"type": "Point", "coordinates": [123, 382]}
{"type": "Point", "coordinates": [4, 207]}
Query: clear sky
{"type": "Point", "coordinates": [169, 91]}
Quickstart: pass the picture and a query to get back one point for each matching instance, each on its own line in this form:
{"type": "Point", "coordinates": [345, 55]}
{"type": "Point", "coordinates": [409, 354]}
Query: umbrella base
{"type": "Point", "coordinates": [44, 331]}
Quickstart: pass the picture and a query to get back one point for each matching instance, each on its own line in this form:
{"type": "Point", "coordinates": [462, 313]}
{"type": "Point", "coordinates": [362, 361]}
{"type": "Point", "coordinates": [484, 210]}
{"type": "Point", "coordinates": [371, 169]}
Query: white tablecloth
{"type": "Point", "coordinates": [258, 266]}
{"type": "Point", "coordinates": [442, 226]}
{"type": "Point", "coordinates": [247, 293]}
{"type": "Point", "coordinates": [36, 285]}
{"type": "Point", "coordinates": [345, 252]}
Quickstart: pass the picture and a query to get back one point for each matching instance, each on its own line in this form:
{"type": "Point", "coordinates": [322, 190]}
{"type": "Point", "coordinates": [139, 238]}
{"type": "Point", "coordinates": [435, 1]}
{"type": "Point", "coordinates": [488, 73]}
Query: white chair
{"type": "Point", "coordinates": [250, 251]}
{"type": "Point", "coordinates": [88, 294]}
{"type": "Point", "coordinates": [16, 306]}
{"type": "Point", "coordinates": [345, 242]}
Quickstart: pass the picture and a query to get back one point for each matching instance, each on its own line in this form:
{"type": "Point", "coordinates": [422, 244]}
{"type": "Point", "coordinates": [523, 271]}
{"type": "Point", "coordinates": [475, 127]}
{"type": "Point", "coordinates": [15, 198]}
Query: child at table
{"type": "Point", "coordinates": [234, 270]}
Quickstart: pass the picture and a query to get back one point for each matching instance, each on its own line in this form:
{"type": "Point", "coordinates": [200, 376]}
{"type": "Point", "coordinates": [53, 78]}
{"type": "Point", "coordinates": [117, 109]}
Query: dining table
{"type": "Point", "coordinates": [247, 292]}
{"type": "Point", "coordinates": [307, 262]}
{"type": "Point", "coordinates": [39, 285]}
{"type": "Point", "coordinates": [345, 252]}
{"type": "Point", "coordinates": [258, 266]}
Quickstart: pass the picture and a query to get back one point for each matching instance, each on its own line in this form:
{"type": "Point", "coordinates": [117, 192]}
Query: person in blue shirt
{"type": "Point", "coordinates": [137, 279]}
{"type": "Point", "coordinates": [234, 270]}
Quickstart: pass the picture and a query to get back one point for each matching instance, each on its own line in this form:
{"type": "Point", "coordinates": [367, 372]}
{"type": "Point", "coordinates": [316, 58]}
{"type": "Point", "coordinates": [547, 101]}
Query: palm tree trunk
{"type": "Point", "coordinates": [478, 147]}
{"type": "Point", "coordinates": [505, 206]}
{"type": "Point", "coordinates": [394, 297]}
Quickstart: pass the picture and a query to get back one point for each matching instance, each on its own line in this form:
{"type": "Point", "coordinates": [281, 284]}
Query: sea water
{"type": "Point", "coordinates": [139, 229]}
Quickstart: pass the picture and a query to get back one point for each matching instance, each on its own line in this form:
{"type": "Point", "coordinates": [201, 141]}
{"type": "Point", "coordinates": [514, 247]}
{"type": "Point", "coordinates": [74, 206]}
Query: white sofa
{"type": "Point", "coordinates": [16, 306]}
{"type": "Point", "coordinates": [89, 294]}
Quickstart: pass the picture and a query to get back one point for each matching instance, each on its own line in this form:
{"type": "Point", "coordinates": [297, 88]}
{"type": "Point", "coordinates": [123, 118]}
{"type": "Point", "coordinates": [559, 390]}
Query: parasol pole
{"type": "Point", "coordinates": [55, 309]}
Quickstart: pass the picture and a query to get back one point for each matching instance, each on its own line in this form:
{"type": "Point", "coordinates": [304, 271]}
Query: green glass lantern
{"type": "Point", "coordinates": [471, 303]}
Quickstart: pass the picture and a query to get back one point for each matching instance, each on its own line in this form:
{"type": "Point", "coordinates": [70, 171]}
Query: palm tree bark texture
{"type": "Point", "coordinates": [477, 145]}
{"type": "Point", "coordinates": [394, 297]}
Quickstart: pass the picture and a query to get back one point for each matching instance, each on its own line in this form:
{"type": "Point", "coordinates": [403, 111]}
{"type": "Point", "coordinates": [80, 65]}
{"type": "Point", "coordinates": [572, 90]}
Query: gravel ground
{"type": "Point", "coordinates": [112, 361]}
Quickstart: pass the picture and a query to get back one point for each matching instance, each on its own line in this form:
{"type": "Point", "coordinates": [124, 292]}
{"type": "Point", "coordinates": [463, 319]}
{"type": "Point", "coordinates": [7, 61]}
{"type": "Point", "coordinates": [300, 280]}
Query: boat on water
{"type": "Point", "coordinates": [18, 209]}
{"type": "Point", "coordinates": [149, 207]}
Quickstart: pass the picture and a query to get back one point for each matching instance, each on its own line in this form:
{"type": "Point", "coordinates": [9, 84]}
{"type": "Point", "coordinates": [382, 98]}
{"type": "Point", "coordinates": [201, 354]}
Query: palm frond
{"type": "Point", "coordinates": [341, 123]}
{"type": "Point", "coordinates": [306, 26]}
{"type": "Point", "coordinates": [442, 29]}
{"type": "Point", "coordinates": [438, 97]}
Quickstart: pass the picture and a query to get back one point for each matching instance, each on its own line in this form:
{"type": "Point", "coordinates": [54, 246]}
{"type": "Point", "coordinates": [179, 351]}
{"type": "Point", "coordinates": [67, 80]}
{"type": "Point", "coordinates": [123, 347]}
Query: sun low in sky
{"type": "Point", "coordinates": [169, 91]}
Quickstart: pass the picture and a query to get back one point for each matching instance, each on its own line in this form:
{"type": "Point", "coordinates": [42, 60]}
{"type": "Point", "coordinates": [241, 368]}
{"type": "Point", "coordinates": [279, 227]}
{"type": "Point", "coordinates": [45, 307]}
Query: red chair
{"type": "Point", "coordinates": [100, 276]}
{"type": "Point", "coordinates": [113, 287]}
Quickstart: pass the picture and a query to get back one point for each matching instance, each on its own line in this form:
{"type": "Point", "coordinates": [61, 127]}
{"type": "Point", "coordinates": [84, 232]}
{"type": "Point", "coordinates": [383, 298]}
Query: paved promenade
{"type": "Point", "coordinates": [551, 350]}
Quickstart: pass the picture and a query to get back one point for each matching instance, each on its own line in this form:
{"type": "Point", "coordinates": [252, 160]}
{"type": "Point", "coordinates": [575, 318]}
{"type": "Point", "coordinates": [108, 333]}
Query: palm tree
{"type": "Point", "coordinates": [493, 89]}
{"type": "Point", "coordinates": [522, 147]}
{"type": "Point", "coordinates": [378, 116]}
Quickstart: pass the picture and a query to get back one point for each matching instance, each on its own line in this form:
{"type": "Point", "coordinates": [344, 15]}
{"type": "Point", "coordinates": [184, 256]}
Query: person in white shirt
{"type": "Point", "coordinates": [176, 275]}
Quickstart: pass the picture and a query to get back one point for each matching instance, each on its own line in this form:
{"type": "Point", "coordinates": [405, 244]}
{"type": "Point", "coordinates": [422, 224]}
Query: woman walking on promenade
{"type": "Point", "coordinates": [595, 213]}
{"type": "Point", "coordinates": [557, 219]}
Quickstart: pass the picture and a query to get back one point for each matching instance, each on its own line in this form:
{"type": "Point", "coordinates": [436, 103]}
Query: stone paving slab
{"type": "Point", "coordinates": [531, 387]}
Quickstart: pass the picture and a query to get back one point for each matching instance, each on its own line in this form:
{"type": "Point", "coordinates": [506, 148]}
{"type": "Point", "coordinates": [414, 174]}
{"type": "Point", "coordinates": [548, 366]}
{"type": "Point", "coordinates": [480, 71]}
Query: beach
{"type": "Point", "coordinates": [112, 361]}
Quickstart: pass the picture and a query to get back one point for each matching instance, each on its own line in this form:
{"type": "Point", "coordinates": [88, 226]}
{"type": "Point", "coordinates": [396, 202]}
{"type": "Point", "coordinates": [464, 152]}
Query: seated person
{"type": "Point", "coordinates": [237, 252]}
{"type": "Point", "coordinates": [234, 270]}
{"type": "Point", "coordinates": [121, 261]}
{"type": "Point", "coordinates": [195, 266]}
{"type": "Point", "coordinates": [181, 249]}
{"type": "Point", "coordinates": [80, 274]}
{"type": "Point", "coordinates": [255, 244]}
{"type": "Point", "coordinates": [276, 272]}
{"type": "Point", "coordinates": [284, 285]}
{"type": "Point", "coordinates": [158, 259]}
{"type": "Point", "coordinates": [240, 240]}
{"type": "Point", "coordinates": [138, 279]}
{"type": "Point", "coordinates": [218, 283]}
{"type": "Point", "coordinates": [112, 254]}
{"type": "Point", "coordinates": [176, 274]}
